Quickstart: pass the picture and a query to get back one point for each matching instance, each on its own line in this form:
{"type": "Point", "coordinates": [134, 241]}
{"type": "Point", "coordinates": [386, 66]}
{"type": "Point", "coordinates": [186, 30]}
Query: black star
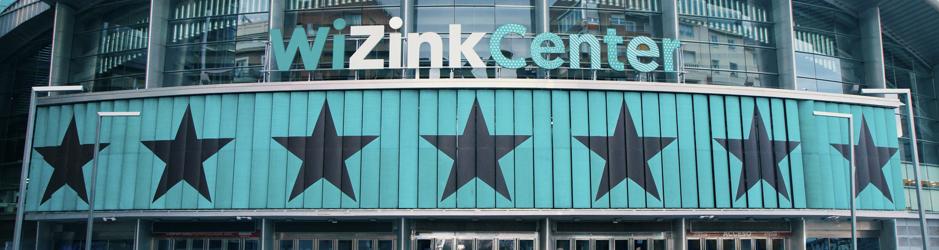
{"type": "Point", "coordinates": [68, 159]}
{"type": "Point", "coordinates": [324, 154]}
{"type": "Point", "coordinates": [476, 154]}
{"type": "Point", "coordinates": [183, 156]}
{"type": "Point", "coordinates": [869, 161]}
{"type": "Point", "coordinates": [759, 154]}
{"type": "Point", "coordinates": [634, 164]}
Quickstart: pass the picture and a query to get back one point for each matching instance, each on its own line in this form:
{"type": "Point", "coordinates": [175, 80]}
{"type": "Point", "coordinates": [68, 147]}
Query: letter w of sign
{"type": "Point", "coordinates": [310, 56]}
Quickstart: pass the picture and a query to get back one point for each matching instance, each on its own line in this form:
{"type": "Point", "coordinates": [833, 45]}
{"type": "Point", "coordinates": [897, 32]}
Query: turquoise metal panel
{"type": "Point", "coordinates": [370, 181]}
{"type": "Point", "coordinates": [352, 126]}
{"type": "Point", "coordinates": [504, 124]}
{"type": "Point", "coordinates": [840, 166]}
{"type": "Point", "coordinates": [296, 126]}
{"type": "Point", "coordinates": [785, 168]}
{"type": "Point", "coordinates": [671, 182]}
{"type": "Point", "coordinates": [769, 194]}
{"type": "Point", "coordinates": [409, 141]}
{"type": "Point", "coordinates": [754, 196]}
{"type": "Point", "coordinates": [448, 125]}
{"type": "Point", "coordinates": [636, 195]}
{"type": "Point", "coordinates": [427, 152]}
{"type": "Point", "coordinates": [580, 154]}
{"type": "Point", "coordinates": [486, 195]}
{"type": "Point", "coordinates": [723, 194]}
{"type": "Point", "coordinates": [735, 130]}
{"type": "Point", "coordinates": [524, 153]}
{"type": "Point", "coordinates": [651, 128]}
{"type": "Point", "coordinates": [796, 169]}
{"type": "Point", "coordinates": [561, 141]}
{"type": "Point", "coordinates": [619, 193]}
{"type": "Point", "coordinates": [544, 190]}
{"type": "Point", "coordinates": [703, 153]}
{"type": "Point", "coordinates": [466, 194]}
{"type": "Point", "coordinates": [390, 150]}
{"type": "Point", "coordinates": [896, 182]}
{"type": "Point", "coordinates": [687, 155]}
{"type": "Point", "coordinates": [400, 169]}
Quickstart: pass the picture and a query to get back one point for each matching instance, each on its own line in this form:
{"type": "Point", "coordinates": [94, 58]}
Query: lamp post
{"type": "Point", "coordinates": [94, 171]}
{"type": "Point", "coordinates": [27, 153]}
{"type": "Point", "coordinates": [850, 118]}
{"type": "Point", "coordinates": [912, 121]}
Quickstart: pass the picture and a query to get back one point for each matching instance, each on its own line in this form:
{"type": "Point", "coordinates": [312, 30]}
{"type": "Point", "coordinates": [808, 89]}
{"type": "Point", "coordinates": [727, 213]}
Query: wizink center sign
{"type": "Point", "coordinates": [544, 48]}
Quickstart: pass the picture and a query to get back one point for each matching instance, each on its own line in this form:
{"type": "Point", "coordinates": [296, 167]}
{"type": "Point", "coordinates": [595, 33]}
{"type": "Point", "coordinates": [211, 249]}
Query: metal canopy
{"type": "Point", "coordinates": [913, 23]}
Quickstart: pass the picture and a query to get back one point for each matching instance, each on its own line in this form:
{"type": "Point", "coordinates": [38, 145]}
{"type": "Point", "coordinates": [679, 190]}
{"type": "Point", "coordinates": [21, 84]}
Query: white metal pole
{"type": "Point", "coordinates": [27, 153]}
{"type": "Point", "coordinates": [850, 119]}
{"type": "Point", "coordinates": [919, 185]}
{"type": "Point", "coordinates": [91, 198]}
{"type": "Point", "coordinates": [911, 120]}
{"type": "Point", "coordinates": [24, 172]}
{"type": "Point", "coordinates": [853, 188]}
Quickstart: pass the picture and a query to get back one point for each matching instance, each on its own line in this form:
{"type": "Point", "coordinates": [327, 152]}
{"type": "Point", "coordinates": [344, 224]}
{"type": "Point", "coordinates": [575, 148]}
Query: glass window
{"type": "Point", "coordinates": [484, 245]}
{"type": "Point", "coordinates": [506, 245]}
{"type": "Point", "coordinates": [727, 37]}
{"type": "Point", "coordinates": [694, 244]}
{"type": "Point", "coordinates": [286, 245]}
{"type": "Point", "coordinates": [641, 245]}
{"type": "Point", "coordinates": [226, 44]}
{"type": "Point", "coordinates": [251, 245]}
{"type": "Point", "coordinates": [563, 245]}
{"type": "Point", "coordinates": [326, 245]}
{"type": "Point", "coordinates": [365, 245]}
{"type": "Point", "coordinates": [526, 245]}
{"type": "Point", "coordinates": [233, 245]}
{"type": "Point", "coordinates": [345, 245]}
{"type": "Point", "coordinates": [385, 245]}
{"type": "Point", "coordinates": [109, 47]}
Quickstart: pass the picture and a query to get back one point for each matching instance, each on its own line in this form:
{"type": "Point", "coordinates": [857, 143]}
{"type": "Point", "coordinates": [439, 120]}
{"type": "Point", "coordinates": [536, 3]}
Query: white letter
{"type": "Point", "coordinates": [467, 48]}
{"type": "Point", "coordinates": [374, 33]}
{"type": "Point", "coordinates": [414, 49]}
{"type": "Point", "coordinates": [394, 43]}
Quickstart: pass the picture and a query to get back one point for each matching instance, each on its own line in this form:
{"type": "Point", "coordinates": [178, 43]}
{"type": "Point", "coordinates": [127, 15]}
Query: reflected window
{"type": "Point", "coordinates": [826, 47]}
{"type": "Point", "coordinates": [226, 44]}
{"type": "Point", "coordinates": [109, 47]}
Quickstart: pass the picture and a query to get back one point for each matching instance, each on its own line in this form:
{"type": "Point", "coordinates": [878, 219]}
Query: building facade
{"type": "Point", "coordinates": [477, 124]}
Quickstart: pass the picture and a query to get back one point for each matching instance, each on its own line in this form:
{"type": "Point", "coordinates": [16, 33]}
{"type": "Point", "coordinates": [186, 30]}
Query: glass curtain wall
{"type": "Point", "coordinates": [312, 14]}
{"type": "Point", "coordinates": [728, 42]}
{"type": "Point", "coordinates": [216, 41]}
{"type": "Point", "coordinates": [904, 70]}
{"type": "Point", "coordinates": [828, 53]}
{"type": "Point", "coordinates": [109, 47]}
{"type": "Point", "coordinates": [629, 18]}
{"type": "Point", "coordinates": [476, 16]}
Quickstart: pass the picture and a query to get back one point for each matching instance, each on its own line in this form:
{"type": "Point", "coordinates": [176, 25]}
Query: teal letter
{"type": "Point", "coordinates": [284, 56]}
{"type": "Point", "coordinates": [339, 44]}
{"type": "Point", "coordinates": [576, 42]}
{"type": "Point", "coordinates": [556, 47]}
{"type": "Point", "coordinates": [633, 53]}
{"type": "Point", "coordinates": [670, 45]}
{"type": "Point", "coordinates": [495, 45]}
{"type": "Point", "coordinates": [612, 45]}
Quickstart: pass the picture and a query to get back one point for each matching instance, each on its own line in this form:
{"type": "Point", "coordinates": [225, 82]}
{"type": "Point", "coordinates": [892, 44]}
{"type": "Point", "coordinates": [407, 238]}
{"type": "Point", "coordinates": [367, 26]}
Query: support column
{"type": "Point", "coordinates": [872, 48]}
{"type": "Point", "coordinates": [277, 12]}
{"type": "Point", "coordinates": [62, 29]}
{"type": "Point", "coordinates": [404, 234]}
{"type": "Point", "coordinates": [670, 30]}
{"type": "Point", "coordinates": [544, 234]}
{"type": "Point", "coordinates": [888, 234]}
{"type": "Point", "coordinates": [156, 47]}
{"type": "Point", "coordinates": [679, 234]}
{"type": "Point", "coordinates": [143, 235]}
{"type": "Point", "coordinates": [267, 234]}
{"type": "Point", "coordinates": [43, 236]}
{"type": "Point", "coordinates": [785, 44]}
{"type": "Point", "coordinates": [797, 241]}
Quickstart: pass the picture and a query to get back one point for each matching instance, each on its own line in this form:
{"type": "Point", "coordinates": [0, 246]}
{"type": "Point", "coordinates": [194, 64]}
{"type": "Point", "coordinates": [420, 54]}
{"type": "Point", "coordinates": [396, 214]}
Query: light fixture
{"type": "Point", "coordinates": [242, 217]}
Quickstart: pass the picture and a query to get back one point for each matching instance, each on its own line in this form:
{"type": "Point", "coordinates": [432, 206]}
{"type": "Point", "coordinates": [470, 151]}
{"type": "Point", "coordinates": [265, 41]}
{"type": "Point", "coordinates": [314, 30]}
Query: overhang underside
{"type": "Point", "coordinates": [626, 214]}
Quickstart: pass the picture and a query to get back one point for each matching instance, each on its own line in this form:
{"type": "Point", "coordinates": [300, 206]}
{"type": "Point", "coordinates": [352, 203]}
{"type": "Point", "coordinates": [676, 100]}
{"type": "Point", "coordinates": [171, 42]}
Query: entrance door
{"type": "Point", "coordinates": [336, 243]}
{"type": "Point", "coordinates": [206, 244]}
{"type": "Point", "coordinates": [769, 243]}
{"type": "Point", "coordinates": [620, 243]}
{"type": "Point", "coordinates": [474, 241]}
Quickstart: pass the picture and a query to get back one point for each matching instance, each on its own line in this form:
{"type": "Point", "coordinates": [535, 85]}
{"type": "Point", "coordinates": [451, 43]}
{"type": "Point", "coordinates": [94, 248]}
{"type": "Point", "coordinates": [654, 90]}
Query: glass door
{"type": "Point", "coordinates": [736, 244]}
{"type": "Point", "coordinates": [616, 243]}
{"type": "Point", "coordinates": [206, 244]}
